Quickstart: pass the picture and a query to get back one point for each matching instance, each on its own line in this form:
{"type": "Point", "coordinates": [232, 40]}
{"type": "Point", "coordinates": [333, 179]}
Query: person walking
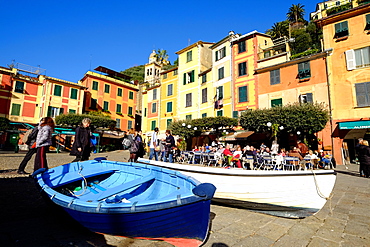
{"type": "Point", "coordinates": [81, 147]}
{"type": "Point", "coordinates": [364, 158]}
{"type": "Point", "coordinates": [153, 145]}
{"type": "Point", "coordinates": [169, 145]}
{"type": "Point", "coordinates": [43, 142]}
{"type": "Point", "coordinates": [136, 141]}
{"type": "Point", "coordinates": [31, 140]}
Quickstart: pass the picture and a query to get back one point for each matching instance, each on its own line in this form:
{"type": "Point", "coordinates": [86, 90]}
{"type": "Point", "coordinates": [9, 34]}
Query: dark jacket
{"type": "Point", "coordinates": [82, 140]}
{"type": "Point", "coordinates": [32, 136]}
{"type": "Point", "coordinates": [364, 155]}
{"type": "Point", "coordinates": [170, 142]}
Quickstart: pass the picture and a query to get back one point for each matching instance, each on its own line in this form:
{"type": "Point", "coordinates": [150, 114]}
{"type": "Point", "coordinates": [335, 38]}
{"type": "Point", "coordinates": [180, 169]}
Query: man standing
{"type": "Point", "coordinates": [302, 148]}
{"type": "Point", "coordinates": [153, 143]}
{"type": "Point", "coordinates": [170, 143]}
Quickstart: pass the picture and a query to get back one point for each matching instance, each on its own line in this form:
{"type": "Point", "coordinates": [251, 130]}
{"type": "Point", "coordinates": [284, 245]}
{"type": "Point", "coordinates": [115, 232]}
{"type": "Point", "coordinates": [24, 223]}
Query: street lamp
{"type": "Point", "coordinates": [298, 132]}
{"type": "Point", "coordinates": [183, 124]}
{"type": "Point", "coordinates": [195, 128]}
{"type": "Point", "coordinates": [189, 126]}
{"type": "Point", "coordinates": [269, 124]}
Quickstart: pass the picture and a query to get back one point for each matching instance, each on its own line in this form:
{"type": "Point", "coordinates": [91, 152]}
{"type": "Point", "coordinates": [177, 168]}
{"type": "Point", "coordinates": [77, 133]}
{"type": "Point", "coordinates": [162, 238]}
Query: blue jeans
{"type": "Point", "coordinates": [153, 152]}
{"type": "Point", "coordinates": [168, 157]}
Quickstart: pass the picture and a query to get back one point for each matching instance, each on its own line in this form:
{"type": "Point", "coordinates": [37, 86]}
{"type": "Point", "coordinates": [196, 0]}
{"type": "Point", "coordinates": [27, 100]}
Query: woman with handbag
{"type": "Point", "coordinates": [43, 142]}
{"type": "Point", "coordinates": [135, 144]}
{"type": "Point", "coordinates": [81, 147]}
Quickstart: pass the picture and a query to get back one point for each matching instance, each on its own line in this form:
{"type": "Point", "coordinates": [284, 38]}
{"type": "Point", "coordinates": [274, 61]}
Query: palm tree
{"type": "Point", "coordinates": [296, 13]}
{"type": "Point", "coordinates": [278, 30]}
{"type": "Point", "coordinates": [162, 56]}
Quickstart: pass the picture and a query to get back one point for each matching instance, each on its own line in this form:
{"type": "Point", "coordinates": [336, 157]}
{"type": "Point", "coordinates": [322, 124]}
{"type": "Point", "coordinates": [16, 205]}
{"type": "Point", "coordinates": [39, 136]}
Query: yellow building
{"type": "Point", "coordinates": [347, 42]}
{"type": "Point", "coordinates": [168, 106]}
{"type": "Point", "coordinates": [194, 60]}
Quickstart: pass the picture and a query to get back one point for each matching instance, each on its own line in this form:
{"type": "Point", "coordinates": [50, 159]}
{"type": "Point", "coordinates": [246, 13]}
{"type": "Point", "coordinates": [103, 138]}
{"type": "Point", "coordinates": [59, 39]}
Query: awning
{"type": "Point", "coordinates": [113, 134]}
{"type": "Point", "coordinates": [365, 124]}
{"type": "Point", "coordinates": [237, 136]}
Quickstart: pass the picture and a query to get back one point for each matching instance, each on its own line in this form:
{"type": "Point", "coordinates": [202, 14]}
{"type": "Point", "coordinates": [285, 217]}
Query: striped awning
{"type": "Point", "coordinates": [236, 136]}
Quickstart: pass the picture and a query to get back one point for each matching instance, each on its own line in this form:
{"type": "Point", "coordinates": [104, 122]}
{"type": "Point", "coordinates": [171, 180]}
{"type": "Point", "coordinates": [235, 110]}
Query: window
{"type": "Point", "coordinates": [130, 110]}
{"type": "Point", "coordinates": [54, 111]}
{"type": "Point", "coordinates": [71, 111]}
{"type": "Point", "coordinates": [95, 85]}
{"type": "Point", "coordinates": [145, 111]}
{"type": "Point", "coordinates": [119, 108]}
{"type": "Point", "coordinates": [220, 92]}
{"type": "Point", "coordinates": [363, 94]}
{"type": "Point", "coordinates": [305, 98]}
{"type": "Point", "coordinates": [189, 56]}
{"type": "Point", "coordinates": [337, 3]}
{"type": "Point", "coordinates": [189, 77]}
{"type": "Point", "coordinates": [204, 78]}
{"type": "Point", "coordinates": [118, 123]}
{"type": "Point", "coordinates": [204, 115]}
{"type": "Point", "coordinates": [175, 72]}
{"type": "Point", "coordinates": [153, 125]}
{"type": "Point", "coordinates": [154, 107]}
{"type": "Point", "coordinates": [221, 74]}
{"type": "Point", "coordinates": [93, 104]}
{"type": "Point", "coordinates": [242, 68]}
{"type": "Point", "coordinates": [16, 110]}
{"type": "Point", "coordinates": [243, 94]}
{"type": "Point", "coordinates": [169, 106]}
{"type": "Point", "coordinates": [188, 117]}
{"type": "Point", "coordinates": [131, 95]}
{"type": "Point", "coordinates": [119, 92]}
{"type": "Point", "coordinates": [219, 113]}
{"type": "Point", "coordinates": [275, 77]}
{"type": "Point", "coordinates": [359, 58]}
{"type": "Point", "coordinates": [220, 53]}
{"type": "Point", "coordinates": [204, 95]}
{"type": "Point", "coordinates": [129, 124]}
{"type": "Point", "coordinates": [106, 106]}
{"type": "Point", "coordinates": [58, 90]}
{"type": "Point", "coordinates": [74, 92]}
{"type": "Point", "coordinates": [169, 89]}
{"type": "Point", "coordinates": [154, 94]}
{"type": "Point", "coordinates": [169, 122]}
{"type": "Point", "coordinates": [235, 114]}
{"type": "Point", "coordinates": [106, 88]}
{"type": "Point", "coordinates": [304, 70]}
{"type": "Point", "coordinates": [241, 47]}
{"type": "Point", "coordinates": [367, 26]}
{"type": "Point", "coordinates": [341, 30]}
{"type": "Point", "coordinates": [276, 102]}
{"type": "Point", "coordinates": [188, 100]}
{"type": "Point", "coordinates": [19, 87]}
{"type": "Point", "coordinates": [165, 76]}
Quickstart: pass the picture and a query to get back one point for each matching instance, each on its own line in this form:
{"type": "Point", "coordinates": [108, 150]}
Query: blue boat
{"type": "Point", "coordinates": [131, 200]}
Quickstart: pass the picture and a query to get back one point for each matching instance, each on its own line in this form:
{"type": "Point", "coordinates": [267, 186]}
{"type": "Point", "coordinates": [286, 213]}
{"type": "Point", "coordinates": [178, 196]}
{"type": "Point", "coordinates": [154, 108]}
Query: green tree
{"type": "Point", "coordinates": [76, 119]}
{"type": "Point", "coordinates": [137, 73]}
{"type": "Point", "coordinates": [4, 124]}
{"type": "Point", "coordinates": [278, 30]}
{"type": "Point", "coordinates": [162, 57]}
{"type": "Point", "coordinates": [302, 41]}
{"type": "Point", "coordinates": [296, 13]}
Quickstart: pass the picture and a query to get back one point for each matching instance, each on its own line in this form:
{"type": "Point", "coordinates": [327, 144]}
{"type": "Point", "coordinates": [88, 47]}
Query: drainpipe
{"type": "Point", "coordinates": [328, 53]}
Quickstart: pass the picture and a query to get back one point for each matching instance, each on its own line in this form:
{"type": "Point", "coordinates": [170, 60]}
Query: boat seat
{"type": "Point", "coordinates": [118, 189]}
{"type": "Point", "coordinates": [75, 176]}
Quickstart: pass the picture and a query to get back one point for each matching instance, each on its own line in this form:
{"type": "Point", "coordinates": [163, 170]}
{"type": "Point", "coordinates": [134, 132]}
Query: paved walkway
{"type": "Point", "coordinates": [26, 220]}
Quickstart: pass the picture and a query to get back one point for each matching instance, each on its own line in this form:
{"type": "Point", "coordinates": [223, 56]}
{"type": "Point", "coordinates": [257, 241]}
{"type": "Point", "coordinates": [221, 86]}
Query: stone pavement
{"type": "Point", "coordinates": [344, 220]}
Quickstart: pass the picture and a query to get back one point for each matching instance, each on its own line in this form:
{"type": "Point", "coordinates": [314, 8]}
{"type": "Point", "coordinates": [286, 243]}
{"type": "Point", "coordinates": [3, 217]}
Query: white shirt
{"type": "Point", "coordinates": [153, 140]}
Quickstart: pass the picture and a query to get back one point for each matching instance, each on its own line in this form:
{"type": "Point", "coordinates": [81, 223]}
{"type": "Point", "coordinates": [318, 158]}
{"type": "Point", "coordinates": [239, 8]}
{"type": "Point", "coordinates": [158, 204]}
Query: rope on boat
{"type": "Point", "coordinates": [321, 194]}
{"type": "Point", "coordinates": [85, 186]}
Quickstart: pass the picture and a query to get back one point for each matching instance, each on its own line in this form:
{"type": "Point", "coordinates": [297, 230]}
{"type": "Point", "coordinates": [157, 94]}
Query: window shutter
{"type": "Point", "coordinates": [361, 95]}
{"type": "Point", "coordinates": [49, 111]}
{"type": "Point", "coordinates": [216, 53]}
{"type": "Point", "coordinates": [184, 78]}
{"type": "Point", "coordinates": [192, 76]}
{"type": "Point", "coordinates": [350, 59]}
{"type": "Point", "coordinates": [61, 110]}
{"type": "Point", "coordinates": [309, 97]}
{"type": "Point", "coordinates": [235, 114]}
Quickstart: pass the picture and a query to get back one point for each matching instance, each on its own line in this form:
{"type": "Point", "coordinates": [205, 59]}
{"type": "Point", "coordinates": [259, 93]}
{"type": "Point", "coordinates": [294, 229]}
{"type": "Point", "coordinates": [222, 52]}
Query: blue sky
{"type": "Point", "coordinates": [68, 38]}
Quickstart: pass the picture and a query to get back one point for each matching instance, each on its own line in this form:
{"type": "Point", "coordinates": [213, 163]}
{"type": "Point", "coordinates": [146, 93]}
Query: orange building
{"type": "Point", "coordinates": [346, 37]}
{"type": "Point", "coordinates": [112, 93]}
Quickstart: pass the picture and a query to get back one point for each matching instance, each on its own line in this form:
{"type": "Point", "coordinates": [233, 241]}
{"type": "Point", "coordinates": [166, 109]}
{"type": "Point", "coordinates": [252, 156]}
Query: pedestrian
{"type": "Point", "coordinates": [302, 148]}
{"type": "Point", "coordinates": [153, 145]}
{"type": "Point", "coordinates": [169, 145]}
{"type": "Point", "coordinates": [31, 140]}
{"type": "Point", "coordinates": [43, 142]}
{"type": "Point", "coordinates": [358, 147]}
{"type": "Point", "coordinates": [81, 147]}
{"type": "Point", "coordinates": [141, 143]}
{"type": "Point", "coordinates": [364, 158]}
{"type": "Point", "coordinates": [135, 144]}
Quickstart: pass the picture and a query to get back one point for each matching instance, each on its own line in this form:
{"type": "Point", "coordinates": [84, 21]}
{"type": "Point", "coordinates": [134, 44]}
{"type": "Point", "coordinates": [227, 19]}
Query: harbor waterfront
{"type": "Point", "coordinates": [27, 219]}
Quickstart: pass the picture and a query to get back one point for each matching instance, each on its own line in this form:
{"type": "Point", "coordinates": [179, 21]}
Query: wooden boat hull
{"type": "Point", "coordinates": [148, 207]}
{"type": "Point", "coordinates": [291, 194]}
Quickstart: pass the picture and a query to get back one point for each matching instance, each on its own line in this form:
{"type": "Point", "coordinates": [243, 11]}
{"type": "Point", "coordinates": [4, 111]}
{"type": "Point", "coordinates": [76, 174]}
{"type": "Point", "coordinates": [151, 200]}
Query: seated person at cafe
{"type": "Point", "coordinates": [237, 154]}
{"type": "Point", "coordinates": [311, 158]}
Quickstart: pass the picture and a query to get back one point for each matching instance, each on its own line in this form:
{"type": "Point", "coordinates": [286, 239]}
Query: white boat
{"type": "Point", "coordinates": [291, 194]}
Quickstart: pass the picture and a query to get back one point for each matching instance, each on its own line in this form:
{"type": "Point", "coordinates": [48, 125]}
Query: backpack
{"type": "Point", "coordinates": [126, 143]}
{"type": "Point", "coordinates": [30, 135]}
